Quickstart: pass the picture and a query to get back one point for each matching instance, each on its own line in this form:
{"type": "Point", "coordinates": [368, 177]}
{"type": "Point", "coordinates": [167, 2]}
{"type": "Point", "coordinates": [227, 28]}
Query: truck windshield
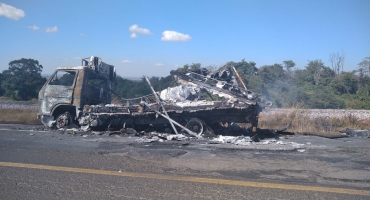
{"type": "Point", "coordinates": [65, 78]}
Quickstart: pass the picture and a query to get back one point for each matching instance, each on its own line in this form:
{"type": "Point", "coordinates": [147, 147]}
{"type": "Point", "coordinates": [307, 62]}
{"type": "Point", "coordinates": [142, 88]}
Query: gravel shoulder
{"type": "Point", "coordinates": [10, 104]}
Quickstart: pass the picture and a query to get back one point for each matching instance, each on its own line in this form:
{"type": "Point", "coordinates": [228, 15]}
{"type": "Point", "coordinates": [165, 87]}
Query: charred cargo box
{"type": "Point", "coordinates": [83, 95]}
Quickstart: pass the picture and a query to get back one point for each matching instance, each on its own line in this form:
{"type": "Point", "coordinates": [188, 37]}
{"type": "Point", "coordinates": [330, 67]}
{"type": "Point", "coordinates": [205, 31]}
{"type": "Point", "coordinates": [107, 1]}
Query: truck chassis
{"type": "Point", "coordinates": [91, 108]}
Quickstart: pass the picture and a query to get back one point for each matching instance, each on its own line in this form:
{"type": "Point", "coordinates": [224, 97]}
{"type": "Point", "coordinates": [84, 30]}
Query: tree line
{"type": "Point", "coordinates": [22, 80]}
{"type": "Point", "coordinates": [314, 86]}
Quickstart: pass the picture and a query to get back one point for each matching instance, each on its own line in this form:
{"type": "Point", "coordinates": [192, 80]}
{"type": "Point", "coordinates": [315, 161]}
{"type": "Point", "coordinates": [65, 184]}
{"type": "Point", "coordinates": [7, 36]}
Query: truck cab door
{"type": "Point", "coordinates": [59, 89]}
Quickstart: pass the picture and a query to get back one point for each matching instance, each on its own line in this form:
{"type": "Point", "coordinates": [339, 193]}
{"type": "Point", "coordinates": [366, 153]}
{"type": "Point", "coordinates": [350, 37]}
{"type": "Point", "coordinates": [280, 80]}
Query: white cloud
{"type": "Point", "coordinates": [173, 36]}
{"type": "Point", "coordinates": [177, 65]}
{"type": "Point", "coordinates": [133, 35]}
{"type": "Point", "coordinates": [11, 12]}
{"type": "Point", "coordinates": [159, 64]}
{"type": "Point", "coordinates": [34, 27]}
{"type": "Point", "coordinates": [135, 30]}
{"type": "Point", "coordinates": [51, 29]}
{"type": "Point", "coordinates": [126, 61]}
{"type": "Point", "coordinates": [82, 34]}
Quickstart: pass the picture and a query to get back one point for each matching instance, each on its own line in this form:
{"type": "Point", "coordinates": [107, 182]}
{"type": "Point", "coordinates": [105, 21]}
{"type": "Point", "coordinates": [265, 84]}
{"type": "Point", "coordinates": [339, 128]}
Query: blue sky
{"type": "Point", "coordinates": [153, 37]}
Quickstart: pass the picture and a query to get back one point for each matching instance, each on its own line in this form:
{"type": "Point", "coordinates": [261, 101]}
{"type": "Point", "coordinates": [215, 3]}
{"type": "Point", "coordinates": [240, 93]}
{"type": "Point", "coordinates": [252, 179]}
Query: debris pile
{"type": "Point", "coordinates": [239, 140]}
{"type": "Point", "coordinates": [246, 140]}
{"type": "Point", "coordinates": [180, 93]}
{"type": "Point", "coordinates": [161, 137]}
{"type": "Point", "coordinates": [357, 133]}
{"type": "Point", "coordinates": [222, 83]}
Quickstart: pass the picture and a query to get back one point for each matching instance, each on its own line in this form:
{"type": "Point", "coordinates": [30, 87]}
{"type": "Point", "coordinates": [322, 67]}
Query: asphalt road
{"type": "Point", "coordinates": [50, 165]}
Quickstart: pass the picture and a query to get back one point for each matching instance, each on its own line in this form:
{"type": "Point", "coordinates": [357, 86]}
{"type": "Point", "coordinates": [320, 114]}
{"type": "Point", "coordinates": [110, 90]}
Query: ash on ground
{"type": "Point", "coordinates": [234, 136]}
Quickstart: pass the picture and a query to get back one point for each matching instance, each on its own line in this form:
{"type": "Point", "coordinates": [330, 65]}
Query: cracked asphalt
{"type": "Point", "coordinates": [42, 164]}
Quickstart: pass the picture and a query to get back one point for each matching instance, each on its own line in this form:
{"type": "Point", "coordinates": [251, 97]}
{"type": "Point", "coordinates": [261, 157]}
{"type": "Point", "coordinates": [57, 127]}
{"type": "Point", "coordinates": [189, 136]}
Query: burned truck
{"type": "Point", "coordinates": [82, 95]}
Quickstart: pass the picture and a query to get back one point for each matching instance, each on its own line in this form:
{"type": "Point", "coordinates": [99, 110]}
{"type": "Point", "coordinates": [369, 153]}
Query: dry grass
{"type": "Point", "coordinates": [301, 123]}
{"type": "Point", "coordinates": [19, 116]}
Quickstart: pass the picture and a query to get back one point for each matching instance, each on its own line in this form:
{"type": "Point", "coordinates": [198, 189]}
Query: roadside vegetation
{"type": "Point", "coordinates": [19, 116]}
{"type": "Point", "coordinates": [300, 123]}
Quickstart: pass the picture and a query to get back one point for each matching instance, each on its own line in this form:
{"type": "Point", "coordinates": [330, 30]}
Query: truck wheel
{"type": "Point", "coordinates": [63, 120]}
{"type": "Point", "coordinates": [196, 125]}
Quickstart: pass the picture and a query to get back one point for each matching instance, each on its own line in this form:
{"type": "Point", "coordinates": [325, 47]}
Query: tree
{"type": "Point", "coordinates": [337, 62]}
{"type": "Point", "coordinates": [364, 76]}
{"type": "Point", "coordinates": [364, 67]}
{"type": "Point", "coordinates": [23, 80]}
{"type": "Point", "coordinates": [322, 98]}
{"type": "Point", "coordinates": [288, 64]}
{"type": "Point", "coordinates": [1, 81]}
{"type": "Point", "coordinates": [244, 67]}
{"type": "Point", "coordinates": [193, 66]}
{"type": "Point", "coordinates": [316, 71]}
{"type": "Point", "coordinates": [271, 73]}
{"type": "Point", "coordinates": [346, 83]}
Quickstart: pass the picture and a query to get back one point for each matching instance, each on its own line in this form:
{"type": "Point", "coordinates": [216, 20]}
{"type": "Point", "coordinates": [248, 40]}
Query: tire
{"type": "Point", "coordinates": [196, 125]}
{"type": "Point", "coordinates": [63, 120]}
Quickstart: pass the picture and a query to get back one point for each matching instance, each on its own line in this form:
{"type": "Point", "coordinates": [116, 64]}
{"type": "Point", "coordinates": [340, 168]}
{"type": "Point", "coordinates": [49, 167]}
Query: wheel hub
{"type": "Point", "coordinates": [195, 128]}
{"type": "Point", "coordinates": [62, 120]}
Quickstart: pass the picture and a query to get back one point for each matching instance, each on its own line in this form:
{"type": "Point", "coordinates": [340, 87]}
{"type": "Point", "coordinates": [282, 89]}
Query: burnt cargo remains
{"type": "Point", "coordinates": [83, 94]}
